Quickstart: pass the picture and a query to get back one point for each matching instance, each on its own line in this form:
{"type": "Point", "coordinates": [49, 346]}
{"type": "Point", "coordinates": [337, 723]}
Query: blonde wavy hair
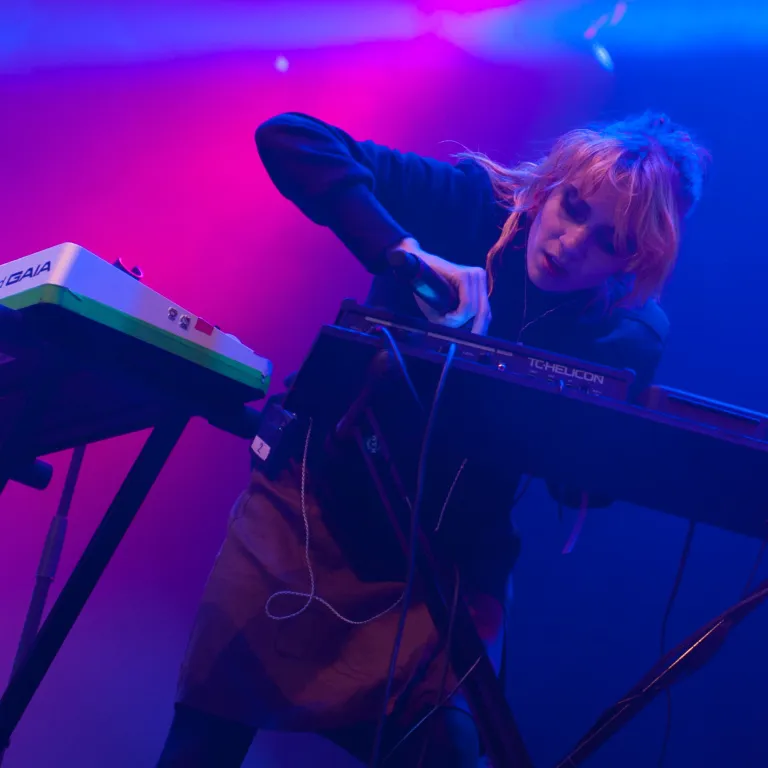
{"type": "Point", "coordinates": [654, 164]}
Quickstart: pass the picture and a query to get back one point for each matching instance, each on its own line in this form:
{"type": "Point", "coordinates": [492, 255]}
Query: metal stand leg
{"type": "Point", "coordinates": [693, 653]}
{"type": "Point", "coordinates": [482, 688]}
{"type": "Point", "coordinates": [64, 612]}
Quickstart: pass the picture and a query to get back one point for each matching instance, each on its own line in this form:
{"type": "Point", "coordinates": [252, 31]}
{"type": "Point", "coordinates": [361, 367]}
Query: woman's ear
{"type": "Point", "coordinates": [621, 283]}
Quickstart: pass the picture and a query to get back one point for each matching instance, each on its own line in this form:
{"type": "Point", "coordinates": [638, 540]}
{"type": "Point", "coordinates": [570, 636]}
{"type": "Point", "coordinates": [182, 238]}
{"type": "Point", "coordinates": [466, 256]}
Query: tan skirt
{"type": "Point", "coordinates": [312, 672]}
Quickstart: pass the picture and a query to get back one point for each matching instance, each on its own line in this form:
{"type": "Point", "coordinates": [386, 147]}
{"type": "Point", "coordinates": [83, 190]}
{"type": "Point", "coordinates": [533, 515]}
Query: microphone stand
{"type": "Point", "coordinates": [692, 654]}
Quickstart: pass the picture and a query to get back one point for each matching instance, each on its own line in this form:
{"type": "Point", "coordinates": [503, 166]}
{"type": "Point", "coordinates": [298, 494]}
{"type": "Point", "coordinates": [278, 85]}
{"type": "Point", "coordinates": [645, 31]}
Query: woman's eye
{"type": "Point", "coordinates": [571, 205]}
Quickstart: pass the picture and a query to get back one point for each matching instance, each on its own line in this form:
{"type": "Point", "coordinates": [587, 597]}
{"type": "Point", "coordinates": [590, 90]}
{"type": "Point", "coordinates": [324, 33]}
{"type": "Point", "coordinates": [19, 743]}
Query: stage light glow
{"type": "Point", "coordinates": [49, 34]}
{"type": "Point", "coordinates": [79, 33]}
{"type": "Point", "coordinates": [618, 13]}
{"type": "Point", "coordinates": [602, 55]}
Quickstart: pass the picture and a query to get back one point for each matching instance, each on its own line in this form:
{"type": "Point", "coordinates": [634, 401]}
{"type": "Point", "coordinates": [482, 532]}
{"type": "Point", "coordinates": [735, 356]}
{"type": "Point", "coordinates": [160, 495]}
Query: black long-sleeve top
{"type": "Point", "coordinates": [372, 196]}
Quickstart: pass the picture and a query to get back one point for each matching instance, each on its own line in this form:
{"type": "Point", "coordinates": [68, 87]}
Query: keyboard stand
{"type": "Point", "coordinates": [435, 575]}
{"type": "Point", "coordinates": [44, 408]}
{"type": "Point", "coordinates": [31, 669]}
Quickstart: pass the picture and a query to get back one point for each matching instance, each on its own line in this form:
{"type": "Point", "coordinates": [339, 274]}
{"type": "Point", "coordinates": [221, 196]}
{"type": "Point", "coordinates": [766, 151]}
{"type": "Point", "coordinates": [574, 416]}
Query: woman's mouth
{"type": "Point", "coordinates": [556, 269]}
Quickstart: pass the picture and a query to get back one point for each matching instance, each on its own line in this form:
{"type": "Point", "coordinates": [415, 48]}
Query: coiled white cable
{"type": "Point", "coordinates": [312, 594]}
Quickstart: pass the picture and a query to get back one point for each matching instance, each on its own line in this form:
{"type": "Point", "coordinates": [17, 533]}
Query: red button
{"type": "Point", "coordinates": [203, 326]}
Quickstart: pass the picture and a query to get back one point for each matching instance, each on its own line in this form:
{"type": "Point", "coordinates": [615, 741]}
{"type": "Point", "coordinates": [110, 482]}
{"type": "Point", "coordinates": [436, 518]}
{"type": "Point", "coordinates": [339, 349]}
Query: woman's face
{"type": "Point", "coordinates": [570, 245]}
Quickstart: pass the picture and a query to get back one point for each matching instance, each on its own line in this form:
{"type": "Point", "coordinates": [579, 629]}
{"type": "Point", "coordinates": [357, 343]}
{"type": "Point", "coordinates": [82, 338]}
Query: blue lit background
{"type": "Point", "coordinates": [127, 126]}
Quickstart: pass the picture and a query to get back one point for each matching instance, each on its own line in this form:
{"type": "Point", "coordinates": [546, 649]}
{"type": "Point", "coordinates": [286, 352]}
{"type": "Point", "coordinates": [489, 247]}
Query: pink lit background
{"type": "Point", "coordinates": [137, 142]}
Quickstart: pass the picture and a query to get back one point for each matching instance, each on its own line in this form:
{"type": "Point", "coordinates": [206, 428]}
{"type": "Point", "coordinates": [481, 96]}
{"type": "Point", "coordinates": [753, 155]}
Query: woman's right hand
{"type": "Point", "coordinates": [471, 283]}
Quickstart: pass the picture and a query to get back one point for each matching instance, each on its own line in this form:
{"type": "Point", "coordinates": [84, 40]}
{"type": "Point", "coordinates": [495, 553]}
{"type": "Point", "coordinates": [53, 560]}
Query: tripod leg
{"type": "Point", "coordinates": [87, 572]}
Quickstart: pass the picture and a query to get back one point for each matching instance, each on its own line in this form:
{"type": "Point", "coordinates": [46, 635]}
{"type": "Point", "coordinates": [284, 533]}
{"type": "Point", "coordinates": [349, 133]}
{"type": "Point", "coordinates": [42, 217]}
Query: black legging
{"type": "Point", "coordinates": [200, 740]}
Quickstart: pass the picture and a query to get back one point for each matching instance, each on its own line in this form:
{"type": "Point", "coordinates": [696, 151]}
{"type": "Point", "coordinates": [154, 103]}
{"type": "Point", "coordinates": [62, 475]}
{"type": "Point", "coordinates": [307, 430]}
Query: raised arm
{"type": "Point", "coordinates": [373, 197]}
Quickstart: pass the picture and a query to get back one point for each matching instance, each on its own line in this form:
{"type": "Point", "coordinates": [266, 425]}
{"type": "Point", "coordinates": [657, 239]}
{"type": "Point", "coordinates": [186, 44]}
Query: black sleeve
{"type": "Point", "coordinates": [632, 344]}
{"type": "Point", "coordinates": [372, 197]}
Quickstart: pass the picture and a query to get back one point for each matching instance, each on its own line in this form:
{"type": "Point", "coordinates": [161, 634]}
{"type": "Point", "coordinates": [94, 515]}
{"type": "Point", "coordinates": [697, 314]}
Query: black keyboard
{"type": "Point", "coordinates": [674, 451]}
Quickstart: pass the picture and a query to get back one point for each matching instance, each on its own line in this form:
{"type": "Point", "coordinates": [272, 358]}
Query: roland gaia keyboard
{"type": "Point", "coordinates": [78, 282]}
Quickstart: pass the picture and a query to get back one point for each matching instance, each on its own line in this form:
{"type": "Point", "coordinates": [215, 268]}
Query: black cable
{"type": "Point", "coordinates": [667, 728]}
{"type": "Point", "coordinates": [395, 350]}
{"type": "Point", "coordinates": [663, 639]}
{"type": "Point", "coordinates": [515, 502]}
{"type": "Point", "coordinates": [673, 595]}
{"type": "Point", "coordinates": [415, 514]}
{"type": "Point", "coordinates": [434, 709]}
{"type": "Point", "coordinates": [449, 634]}
{"type": "Point", "coordinates": [446, 666]}
{"type": "Point", "coordinates": [676, 586]}
{"type": "Point", "coordinates": [49, 558]}
{"type": "Point", "coordinates": [695, 651]}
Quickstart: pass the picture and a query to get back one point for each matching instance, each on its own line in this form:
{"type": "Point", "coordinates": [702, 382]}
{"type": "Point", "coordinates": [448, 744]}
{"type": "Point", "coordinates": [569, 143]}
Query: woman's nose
{"type": "Point", "coordinates": [573, 242]}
